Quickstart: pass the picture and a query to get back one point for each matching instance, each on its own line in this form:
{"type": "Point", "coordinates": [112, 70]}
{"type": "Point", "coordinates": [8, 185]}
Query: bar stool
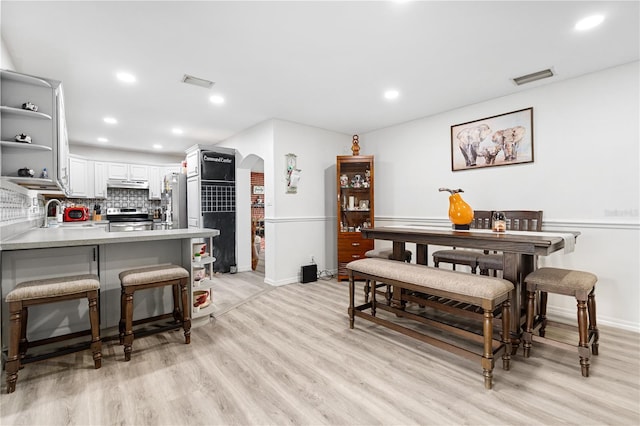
{"type": "Point", "coordinates": [383, 254]}
{"type": "Point", "coordinates": [40, 292]}
{"type": "Point", "coordinates": [152, 277]}
{"type": "Point", "coordinates": [578, 284]}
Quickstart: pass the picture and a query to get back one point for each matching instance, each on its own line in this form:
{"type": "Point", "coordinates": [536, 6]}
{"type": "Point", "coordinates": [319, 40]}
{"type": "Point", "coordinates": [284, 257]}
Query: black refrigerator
{"type": "Point", "coordinates": [218, 204]}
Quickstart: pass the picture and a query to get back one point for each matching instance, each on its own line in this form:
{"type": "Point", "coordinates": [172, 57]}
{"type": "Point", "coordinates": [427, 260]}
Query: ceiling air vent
{"type": "Point", "coordinates": [539, 75]}
{"type": "Point", "coordinates": [189, 79]}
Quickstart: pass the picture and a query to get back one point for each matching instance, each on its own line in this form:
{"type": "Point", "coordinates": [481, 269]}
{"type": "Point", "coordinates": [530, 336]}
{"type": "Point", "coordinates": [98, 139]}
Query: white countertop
{"type": "Point", "coordinates": [82, 236]}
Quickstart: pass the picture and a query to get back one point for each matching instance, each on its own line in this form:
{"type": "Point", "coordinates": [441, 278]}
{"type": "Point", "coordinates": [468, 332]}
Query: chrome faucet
{"type": "Point", "coordinates": [46, 211]}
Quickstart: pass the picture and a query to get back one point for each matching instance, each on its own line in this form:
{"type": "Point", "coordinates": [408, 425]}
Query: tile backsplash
{"type": "Point", "coordinates": [119, 197]}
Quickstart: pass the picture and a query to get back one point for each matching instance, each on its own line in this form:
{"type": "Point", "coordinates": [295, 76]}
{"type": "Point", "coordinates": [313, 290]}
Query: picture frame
{"type": "Point", "coordinates": [258, 189]}
{"type": "Point", "coordinates": [499, 140]}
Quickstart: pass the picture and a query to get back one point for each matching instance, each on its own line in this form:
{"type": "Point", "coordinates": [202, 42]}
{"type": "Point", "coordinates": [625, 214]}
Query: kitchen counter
{"type": "Point", "coordinates": [70, 236]}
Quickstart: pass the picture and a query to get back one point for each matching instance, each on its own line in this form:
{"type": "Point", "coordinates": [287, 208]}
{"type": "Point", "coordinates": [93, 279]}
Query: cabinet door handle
{"type": "Point", "coordinates": [355, 244]}
{"type": "Point", "coordinates": [355, 256]}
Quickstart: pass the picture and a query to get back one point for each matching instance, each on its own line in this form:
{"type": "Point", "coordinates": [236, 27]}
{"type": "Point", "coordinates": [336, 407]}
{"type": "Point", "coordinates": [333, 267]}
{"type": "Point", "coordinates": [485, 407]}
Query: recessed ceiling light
{"type": "Point", "coordinates": [216, 99]}
{"type": "Point", "coordinates": [157, 146]}
{"type": "Point", "coordinates": [391, 94]}
{"type": "Point", "coordinates": [589, 22]}
{"type": "Point", "coordinates": [110, 120]}
{"type": "Point", "coordinates": [176, 131]}
{"type": "Point", "coordinates": [197, 81]}
{"type": "Point", "coordinates": [126, 77]}
{"type": "Point", "coordinates": [103, 140]}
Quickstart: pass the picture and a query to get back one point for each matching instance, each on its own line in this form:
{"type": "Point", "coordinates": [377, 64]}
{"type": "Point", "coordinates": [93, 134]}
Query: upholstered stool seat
{"type": "Point", "coordinates": [383, 254]}
{"type": "Point", "coordinates": [153, 277]}
{"type": "Point", "coordinates": [578, 284]}
{"type": "Point", "coordinates": [39, 292]}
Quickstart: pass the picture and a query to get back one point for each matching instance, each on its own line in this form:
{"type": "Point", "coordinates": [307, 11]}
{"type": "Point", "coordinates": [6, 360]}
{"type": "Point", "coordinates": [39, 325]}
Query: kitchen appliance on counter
{"type": "Point", "coordinates": [123, 219]}
{"type": "Point", "coordinates": [76, 214]}
{"type": "Point", "coordinates": [174, 199]}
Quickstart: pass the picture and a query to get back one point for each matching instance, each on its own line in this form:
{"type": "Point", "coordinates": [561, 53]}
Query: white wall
{"type": "Point", "coordinates": [304, 223]}
{"type": "Point", "coordinates": [105, 154]}
{"type": "Point", "coordinates": [6, 61]}
{"type": "Point", "coordinates": [585, 176]}
{"type": "Point", "coordinates": [296, 225]}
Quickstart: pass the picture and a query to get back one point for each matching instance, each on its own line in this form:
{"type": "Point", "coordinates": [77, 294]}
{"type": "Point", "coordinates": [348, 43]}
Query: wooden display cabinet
{"type": "Point", "coordinates": [355, 183]}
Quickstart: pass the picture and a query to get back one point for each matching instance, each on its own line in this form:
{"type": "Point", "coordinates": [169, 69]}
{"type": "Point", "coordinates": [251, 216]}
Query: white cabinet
{"type": "Point", "coordinates": [193, 163]}
{"type": "Point", "coordinates": [193, 202]}
{"type": "Point", "coordinates": [201, 277]}
{"type": "Point", "coordinates": [138, 172]}
{"type": "Point", "coordinates": [45, 127]}
{"type": "Point", "coordinates": [79, 185]}
{"type": "Point", "coordinates": [100, 179]}
{"type": "Point", "coordinates": [155, 183]}
{"type": "Point", "coordinates": [124, 171]}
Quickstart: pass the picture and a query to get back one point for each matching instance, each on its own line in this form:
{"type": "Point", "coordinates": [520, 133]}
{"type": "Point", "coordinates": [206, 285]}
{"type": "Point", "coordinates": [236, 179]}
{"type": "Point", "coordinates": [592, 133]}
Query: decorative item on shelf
{"type": "Point", "coordinates": [344, 181]}
{"type": "Point", "coordinates": [367, 179]}
{"type": "Point", "coordinates": [30, 106]}
{"type": "Point", "coordinates": [197, 257]}
{"type": "Point", "coordinates": [23, 137]}
{"type": "Point", "coordinates": [44, 174]}
{"type": "Point", "coordinates": [200, 298]}
{"type": "Point", "coordinates": [499, 222]}
{"type": "Point", "coordinates": [26, 172]}
{"type": "Point", "coordinates": [460, 213]}
{"type": "Point", "coordinates": [355, 146]}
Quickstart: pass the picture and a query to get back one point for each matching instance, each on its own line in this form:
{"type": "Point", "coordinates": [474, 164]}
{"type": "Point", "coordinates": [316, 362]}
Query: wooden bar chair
{"type": "Point", "coordinates": [153, 277]}
{"type": "Point", "coordinates": [40, 292]}
{"type": "Point", "coordinates": [481, 220]}
{"type": "Point", "coordinates": [517, 220]}
{"type": "Point", "coordinates": [578, 284]}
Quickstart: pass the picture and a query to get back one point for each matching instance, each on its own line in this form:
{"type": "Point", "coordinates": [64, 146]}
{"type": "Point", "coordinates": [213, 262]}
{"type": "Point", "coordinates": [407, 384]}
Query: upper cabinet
{"type": "Point", "coordinates": [123, 171]}
{"type": "Point", "coordinates": [33, 132]}
{"type": "Point", "coordinates": [193, 163]}
{"type": "Point", "coordinates": [79, 185]}
{"type": "Point", "coordinates": [155, 183]}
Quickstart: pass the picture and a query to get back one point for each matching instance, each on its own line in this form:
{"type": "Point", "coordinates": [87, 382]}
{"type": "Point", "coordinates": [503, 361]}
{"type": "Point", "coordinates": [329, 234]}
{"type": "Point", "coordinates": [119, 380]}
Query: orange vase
{"type": "Point", "coordinates": [460, 213]}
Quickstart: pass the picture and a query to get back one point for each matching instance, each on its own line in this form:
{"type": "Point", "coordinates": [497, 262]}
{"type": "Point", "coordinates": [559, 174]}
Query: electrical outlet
{"type": "Point", "coordinates": [313, 259]}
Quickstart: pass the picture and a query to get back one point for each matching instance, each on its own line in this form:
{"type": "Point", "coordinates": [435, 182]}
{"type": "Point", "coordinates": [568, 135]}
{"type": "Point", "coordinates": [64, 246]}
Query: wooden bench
{"type": "Point", "coordinates": [488, 293]}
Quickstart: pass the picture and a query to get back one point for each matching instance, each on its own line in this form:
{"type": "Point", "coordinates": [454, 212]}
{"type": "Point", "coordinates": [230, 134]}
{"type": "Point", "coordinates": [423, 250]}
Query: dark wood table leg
{"type": "Point", "coordinates": [511, 269]}
{"type": "Point", "coordinates": [422, 254]}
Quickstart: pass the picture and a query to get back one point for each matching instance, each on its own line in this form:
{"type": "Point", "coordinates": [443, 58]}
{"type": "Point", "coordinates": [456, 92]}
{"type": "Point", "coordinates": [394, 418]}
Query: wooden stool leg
{"type": "Point", "coordinates": [128, 324]}
{"type": "Point", "coordinates": [367, 288]}
{"type": "Point", "coordinates": [177, 315]}
{"type": "Point", "coordinates": [13, 359]}
{"type": "Point", "coordinates": [186, 317]}
{"type": "Point", "coordinates": [487, 356]}
{"type": "Point", "coordinates": [122, 323]}
{"type": "Point", "coordinates": [387, 295]}
{"type": "Point", "coordinates": [593, 326]}
{"type": "Point", "coordinates": [96, 343]}
{"type": "Point", "coordinates": [542, 315]}
{"type": "Point", "coordinates": [506, 335]}
{"type": "Point", "coordinates": [527, 335]}
{"type": "Point", "coordinates": [583, 344]}
{"type": "Point", "coordinates": [24, 342]}
{"type": "Point", "coordinates": [373, 300]}
{"type": "Point", "coordinates": [351, 309]}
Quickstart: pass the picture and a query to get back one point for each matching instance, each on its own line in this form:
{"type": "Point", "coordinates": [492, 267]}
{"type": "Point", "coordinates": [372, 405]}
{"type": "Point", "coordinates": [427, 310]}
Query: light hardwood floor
{"type": "Point", "coordinates": [286, 355]}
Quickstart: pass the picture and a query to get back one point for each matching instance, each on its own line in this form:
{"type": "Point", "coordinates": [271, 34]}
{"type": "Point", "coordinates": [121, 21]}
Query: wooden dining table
{"type": "Point", "coordinates": [520, 249]}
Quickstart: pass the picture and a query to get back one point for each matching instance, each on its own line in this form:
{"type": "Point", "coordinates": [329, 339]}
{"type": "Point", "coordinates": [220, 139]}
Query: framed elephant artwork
{"type": "Point", "coordinates": [500, 140]}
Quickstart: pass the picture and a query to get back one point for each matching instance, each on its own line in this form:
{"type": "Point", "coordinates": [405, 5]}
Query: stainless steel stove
{"type": "Point", "coordinates": [123, 219]}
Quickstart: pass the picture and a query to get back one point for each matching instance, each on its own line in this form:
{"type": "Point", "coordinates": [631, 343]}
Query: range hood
{"type": "Point", "coordinates": [128, 184]}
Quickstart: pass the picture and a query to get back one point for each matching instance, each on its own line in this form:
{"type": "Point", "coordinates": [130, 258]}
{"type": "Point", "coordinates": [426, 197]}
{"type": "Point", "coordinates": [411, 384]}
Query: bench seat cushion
{"type": "Point", "coordinates": [53, 287]}
{"type": "Point", "coordinates": [488, 288]}
{"type": "Point", "coordinates": [152, 274]}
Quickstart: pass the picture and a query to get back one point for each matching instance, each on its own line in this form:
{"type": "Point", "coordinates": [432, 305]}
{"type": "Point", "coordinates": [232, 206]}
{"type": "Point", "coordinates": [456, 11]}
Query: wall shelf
{"type": "Point", "coordinates": [23, 112]}
{"type": "Point", "coordinates": [24, 145]}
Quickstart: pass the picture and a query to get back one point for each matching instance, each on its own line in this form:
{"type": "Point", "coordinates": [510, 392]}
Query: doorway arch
{"type": "Point", "coordinates": [250, 172]}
